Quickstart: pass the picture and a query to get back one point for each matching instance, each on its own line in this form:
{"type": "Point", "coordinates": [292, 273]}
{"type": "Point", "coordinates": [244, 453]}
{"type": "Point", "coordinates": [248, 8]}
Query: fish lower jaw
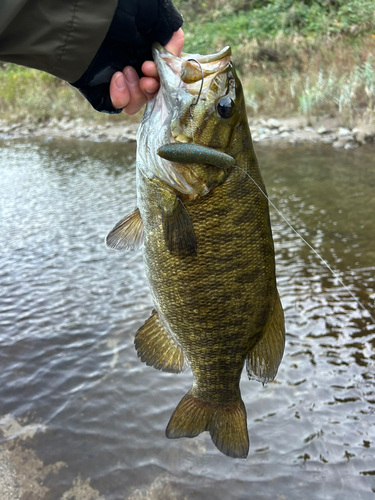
{"type": "Point", "coordinates": [182, 138]}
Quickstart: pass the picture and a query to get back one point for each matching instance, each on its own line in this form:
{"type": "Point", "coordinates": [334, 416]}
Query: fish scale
{"type": "Point", "coordinates": [179, 280]}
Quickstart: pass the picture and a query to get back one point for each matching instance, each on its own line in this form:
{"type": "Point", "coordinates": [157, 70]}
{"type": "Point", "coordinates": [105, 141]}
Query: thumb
{"type": "Point", "coordinates": [176, 43]}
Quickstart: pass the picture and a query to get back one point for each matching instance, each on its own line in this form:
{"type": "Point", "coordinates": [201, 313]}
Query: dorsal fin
{"type": "Point", "coordinates": [263, 360]}
{"type": "Point", "coordinates": [127, 234]}
{"type": "Point", "coordinates": [156, 348]}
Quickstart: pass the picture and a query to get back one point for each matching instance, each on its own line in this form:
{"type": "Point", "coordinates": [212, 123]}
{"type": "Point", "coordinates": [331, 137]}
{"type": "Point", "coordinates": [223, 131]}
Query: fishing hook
{"type": "Point", "coordinates": [200, 90]}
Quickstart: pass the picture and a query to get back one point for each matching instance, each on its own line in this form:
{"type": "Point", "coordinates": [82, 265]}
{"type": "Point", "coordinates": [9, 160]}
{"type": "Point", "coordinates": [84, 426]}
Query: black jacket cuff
{"type": "Point", "coordinates": [135, 26]}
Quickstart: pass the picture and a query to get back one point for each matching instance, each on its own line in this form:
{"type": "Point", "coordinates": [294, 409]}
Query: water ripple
{"type": "Point", "coordinates": [70, 309]}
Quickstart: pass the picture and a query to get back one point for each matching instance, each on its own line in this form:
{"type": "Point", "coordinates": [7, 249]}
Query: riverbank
{"type": "Point", "coordinates": [293, 130]}
{"type": "Point", "coordinates": [311, 58]}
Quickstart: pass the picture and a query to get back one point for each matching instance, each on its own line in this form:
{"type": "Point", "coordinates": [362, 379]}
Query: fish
{"type": "Point", "coordinates": [208, 250]}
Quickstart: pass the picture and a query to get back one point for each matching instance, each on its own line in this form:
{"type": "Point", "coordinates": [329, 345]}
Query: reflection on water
{"type": "Point", "coordinates": [78, 410]}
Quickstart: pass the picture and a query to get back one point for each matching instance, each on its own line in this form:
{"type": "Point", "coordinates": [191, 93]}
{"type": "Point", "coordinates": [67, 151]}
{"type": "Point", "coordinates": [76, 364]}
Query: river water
{"type": "Point", "coordinates": [82, 418]}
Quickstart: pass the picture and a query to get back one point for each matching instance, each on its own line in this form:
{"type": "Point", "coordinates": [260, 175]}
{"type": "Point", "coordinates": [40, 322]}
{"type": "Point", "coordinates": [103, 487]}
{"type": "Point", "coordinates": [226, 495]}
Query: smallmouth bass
{"type": "Point", "coordinates": [208, 248]}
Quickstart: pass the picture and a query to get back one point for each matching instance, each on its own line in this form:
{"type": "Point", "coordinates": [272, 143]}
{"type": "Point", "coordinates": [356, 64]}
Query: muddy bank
{"type": "Point", "coordinates": [23, 476]}
{"type": "Point", "coordinates": [294, 131]}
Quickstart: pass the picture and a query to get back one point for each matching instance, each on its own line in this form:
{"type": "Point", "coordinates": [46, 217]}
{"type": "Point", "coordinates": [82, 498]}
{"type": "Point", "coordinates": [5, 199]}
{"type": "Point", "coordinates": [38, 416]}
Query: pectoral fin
{"type": "Point", "coordinates": [195, 153]}
{"type": "Point", "coordinates": [263, 360]}
{"type": "Point", "coordinates": [178, 229]}
{"type": "Point", "coordinates": [127, 234]}
{"type": "Point", "coordinates": [156, 348]}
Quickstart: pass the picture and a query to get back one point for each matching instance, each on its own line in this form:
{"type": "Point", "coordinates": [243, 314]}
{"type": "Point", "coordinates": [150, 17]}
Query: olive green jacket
{"type": "Point", "coordinates": [58, 36]}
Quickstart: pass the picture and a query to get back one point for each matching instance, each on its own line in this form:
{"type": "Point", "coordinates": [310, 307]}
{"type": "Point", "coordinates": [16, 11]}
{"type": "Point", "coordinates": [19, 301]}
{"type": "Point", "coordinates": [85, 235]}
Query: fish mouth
{"type": "Point", "coordinates": [211, 61]}
{"type": "Point", "coordinates": [189, 87]}
{"type": "Point", "coordinates": [188, 70]}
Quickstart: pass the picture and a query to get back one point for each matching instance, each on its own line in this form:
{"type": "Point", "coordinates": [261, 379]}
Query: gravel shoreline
{"type": "Point", "coordinates": [294, 131]}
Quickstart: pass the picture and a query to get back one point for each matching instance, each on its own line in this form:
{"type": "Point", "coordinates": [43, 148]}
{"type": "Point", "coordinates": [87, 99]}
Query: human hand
{"type": "Point", "coordinates": [129, 92]}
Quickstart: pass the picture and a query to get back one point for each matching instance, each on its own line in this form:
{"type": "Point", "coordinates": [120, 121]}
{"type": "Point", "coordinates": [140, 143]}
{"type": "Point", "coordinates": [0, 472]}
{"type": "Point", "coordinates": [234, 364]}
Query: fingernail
{"type": "Point", "coordinates": [151, 92]}
{"type": "Point", "coordinates": [153, 89]}
{"type": "Point", "coordinates": [131, 76]}
{"type": "Point", "coordinates": [120, 82]}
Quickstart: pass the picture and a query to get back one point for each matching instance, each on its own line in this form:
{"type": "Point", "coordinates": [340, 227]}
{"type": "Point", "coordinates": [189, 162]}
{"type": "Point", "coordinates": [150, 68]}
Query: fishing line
{"type": "Point", "coordinates": [335, 275]}
{"type": "Point", "coordinates": [199, 95]}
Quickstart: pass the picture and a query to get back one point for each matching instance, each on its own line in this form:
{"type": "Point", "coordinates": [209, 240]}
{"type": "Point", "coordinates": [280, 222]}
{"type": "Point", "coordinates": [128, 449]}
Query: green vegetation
{"type": "Point", "coordinates": [312, 57]}
{"type": "Point", "coordinates": [215, 21]}
{"type": "Point", "coordinates": [37, 95]}
{"type": "Point", "coordinates": [335, 77]}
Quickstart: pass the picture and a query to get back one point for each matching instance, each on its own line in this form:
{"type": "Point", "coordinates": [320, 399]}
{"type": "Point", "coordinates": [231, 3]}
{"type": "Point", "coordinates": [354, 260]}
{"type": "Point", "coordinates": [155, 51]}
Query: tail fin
{"type": "Point", "coordinates": [226, 424]}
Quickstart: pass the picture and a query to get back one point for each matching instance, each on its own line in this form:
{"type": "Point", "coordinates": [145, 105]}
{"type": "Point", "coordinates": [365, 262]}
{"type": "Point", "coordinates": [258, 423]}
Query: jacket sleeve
{"type": "Point", "coordinates": [85, 41]}
{"type": "Point", "coordinates": [60, 37]}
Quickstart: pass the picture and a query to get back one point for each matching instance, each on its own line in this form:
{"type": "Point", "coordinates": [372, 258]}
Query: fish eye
{"type": "Point", "coordinates": [225, 107]}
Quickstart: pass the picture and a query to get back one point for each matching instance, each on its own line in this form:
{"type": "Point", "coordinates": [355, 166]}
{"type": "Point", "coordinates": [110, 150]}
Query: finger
{"type": "Point", "coordinates": [137, 97]}
{"type": "Point", "coordinates": [175, 44]}
{"type": "Point", "coordinates": [118, 91]}
{"type": "Point", "coordinates": [149, 69]}
{"type": "Point", "coordinates": [149, 86]}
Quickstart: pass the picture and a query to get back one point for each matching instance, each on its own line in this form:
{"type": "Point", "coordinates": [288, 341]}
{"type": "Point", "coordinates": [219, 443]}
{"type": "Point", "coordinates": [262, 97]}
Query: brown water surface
{"type": "Point", "coordinates": [74, 396]}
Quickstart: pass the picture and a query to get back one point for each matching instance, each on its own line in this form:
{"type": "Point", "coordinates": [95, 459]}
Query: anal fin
{"type": "Point", "coordinates": [156, 348]}
{"type": "Point", "coordinates": [127, 233]}
{"type": "Point", "coordinates": [263, 360]}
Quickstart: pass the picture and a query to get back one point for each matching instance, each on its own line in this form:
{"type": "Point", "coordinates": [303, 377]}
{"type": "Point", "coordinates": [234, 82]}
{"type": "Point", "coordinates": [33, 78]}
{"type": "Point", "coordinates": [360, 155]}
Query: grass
{"type": "Point", "coordinates": [311, 57]}
{"type": "Point", "coordinates": [33, 94]}
{"type": "Point", "coordinates": [213, 20]}
{"type": "Point", "coordinates": [332, 77]}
